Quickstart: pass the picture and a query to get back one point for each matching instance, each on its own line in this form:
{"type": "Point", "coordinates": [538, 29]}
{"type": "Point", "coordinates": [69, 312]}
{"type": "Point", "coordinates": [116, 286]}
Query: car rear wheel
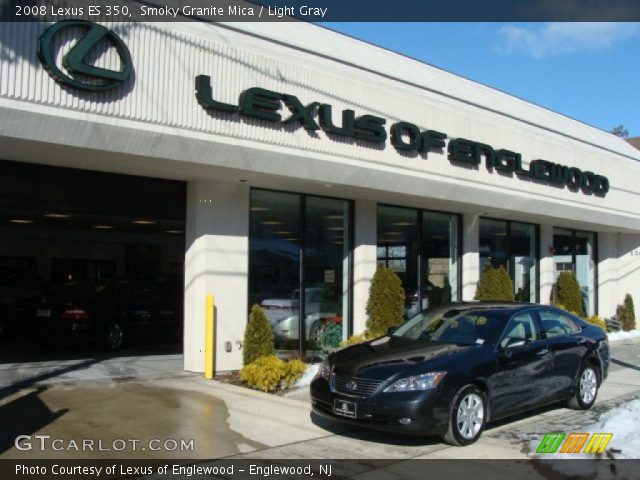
{"type": "Point", "coordinates": [114, 337]}
{"type": "Point", "coordinates": [586, 388]}
{"type": "Point", "coordinates": [468, 416]}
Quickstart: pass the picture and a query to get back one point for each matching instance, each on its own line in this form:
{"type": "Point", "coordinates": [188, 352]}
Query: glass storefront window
{"type": "Point", "coordinates": [326, 266]}
{"type": "Point", "coordinates": [493, 244]}
{"type": "Point", "coordinates": [522, 256]}
{"type": "Point", "coordinates": [512, 245]}
{"type": "Point", "coordinates": [574, 250]}
{"type": "Point", "coordinates": [398, 250]}
{"type": "Point", "coordinates": [299, 262]}
{"type": "Point", "coordinates": [439, 254]}
{"type": "Point", "coordinates": [422, 248]}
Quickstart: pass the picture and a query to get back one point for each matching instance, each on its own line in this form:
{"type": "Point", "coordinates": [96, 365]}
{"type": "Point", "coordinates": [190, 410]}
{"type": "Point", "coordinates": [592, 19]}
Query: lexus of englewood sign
{"type": "Point", "coordinates": [266, 105]}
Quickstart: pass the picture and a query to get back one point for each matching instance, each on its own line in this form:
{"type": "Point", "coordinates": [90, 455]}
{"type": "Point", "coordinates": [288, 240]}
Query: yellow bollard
{"type": "Point", "coordinates": [209, 338]}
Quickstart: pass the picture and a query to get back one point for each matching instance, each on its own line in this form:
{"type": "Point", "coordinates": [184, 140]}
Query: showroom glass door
{"type": "Point", "coordinates": [299, 268]}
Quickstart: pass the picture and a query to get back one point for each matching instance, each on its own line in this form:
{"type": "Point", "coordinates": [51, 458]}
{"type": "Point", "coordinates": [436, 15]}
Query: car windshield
{"type": "Point", "coordinates": [462, 327]}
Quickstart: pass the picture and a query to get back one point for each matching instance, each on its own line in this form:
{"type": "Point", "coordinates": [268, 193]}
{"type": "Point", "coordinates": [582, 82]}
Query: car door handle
{"type": "Point", "coordinates": [544, 351]}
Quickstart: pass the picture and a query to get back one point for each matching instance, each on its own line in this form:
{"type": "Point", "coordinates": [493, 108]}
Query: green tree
{"type": "Point", "coordinates": [258, 337]}
{"type": "Point", "coordinates": [620, 131]}
{"type": "Point", "coordinates": [494, 285]}
{"type": "Point", "coordinates": [385, 307]}
{"type": "Point", "coordinates": [567, 293]}
{"type": "Point", "coordinates": [627, 314]}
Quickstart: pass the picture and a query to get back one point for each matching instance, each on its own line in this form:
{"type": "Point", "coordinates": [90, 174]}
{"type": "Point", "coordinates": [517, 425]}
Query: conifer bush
{"type": "Point", "coordinates": [385, 307]}
{"type": "Point", "coordinates": [627, 314]}
{"type": "Point", "coordinates": [567, 293]}
{"type": "Point", "coordinates": [258, 337]}
{"type": "Point", "coordinates": [494, 285]}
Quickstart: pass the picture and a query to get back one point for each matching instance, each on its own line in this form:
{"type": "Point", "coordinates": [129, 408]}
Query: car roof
{"type": "Point", "coordinates": [503, 307]}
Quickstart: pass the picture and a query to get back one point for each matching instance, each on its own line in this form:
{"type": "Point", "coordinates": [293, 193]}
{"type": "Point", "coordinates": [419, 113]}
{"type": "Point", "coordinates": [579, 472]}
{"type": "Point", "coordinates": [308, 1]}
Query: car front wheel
{"type": "Point", "coordinates": [468, 416]}
{"type": "Point", "coordinates": [586, 389]}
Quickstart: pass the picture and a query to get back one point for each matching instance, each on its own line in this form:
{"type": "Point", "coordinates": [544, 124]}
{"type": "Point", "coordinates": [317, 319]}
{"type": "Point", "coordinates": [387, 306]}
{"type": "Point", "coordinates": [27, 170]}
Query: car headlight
{"type": "Point", "coordinates": [325, 370]}
{"type": "Point", "coordinates": [416, 383]}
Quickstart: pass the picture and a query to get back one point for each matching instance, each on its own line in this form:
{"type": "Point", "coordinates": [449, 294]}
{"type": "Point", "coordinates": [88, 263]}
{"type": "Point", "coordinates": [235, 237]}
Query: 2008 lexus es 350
{"type": "Point", "coordinates": [448, 371]}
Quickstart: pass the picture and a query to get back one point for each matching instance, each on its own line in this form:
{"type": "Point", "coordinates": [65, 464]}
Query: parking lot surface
{"type": "Point", "coordinates": [136, 400]}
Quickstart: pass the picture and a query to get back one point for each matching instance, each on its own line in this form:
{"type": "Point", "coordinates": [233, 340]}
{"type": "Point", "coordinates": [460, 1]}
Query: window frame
{"type": "Point", "coordinates": [596, 259]}
{"type": "Point", "coordinates": [536, 321]}
{"type": "Point", "coordinates": [560, 313]}
{"type": "Point", "coordinates": [419, 212]}
{"type": "Point", "coordinates": [509, 250]}
{"type": "Point", "coordinates": [301, 255]}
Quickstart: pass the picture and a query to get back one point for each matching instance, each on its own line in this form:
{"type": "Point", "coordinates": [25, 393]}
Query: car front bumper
{"type": "Point", "coordinates": [417, 413]}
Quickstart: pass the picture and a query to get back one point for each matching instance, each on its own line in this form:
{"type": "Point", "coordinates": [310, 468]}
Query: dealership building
{"type": "Point", "coordinates": [280, 163]}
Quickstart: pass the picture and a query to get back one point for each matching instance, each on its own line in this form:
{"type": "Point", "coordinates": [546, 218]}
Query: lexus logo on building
{"type": "Point", "coordinates": [353, 386]}
{"type": "Point", "coordinates": [80, 74]}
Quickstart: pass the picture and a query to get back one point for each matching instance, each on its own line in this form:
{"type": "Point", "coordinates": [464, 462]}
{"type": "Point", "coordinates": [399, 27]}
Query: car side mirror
{"type": "Point", "coordinates": [390, 330]}
{"type": "Point", "coordinates": [515, 343]}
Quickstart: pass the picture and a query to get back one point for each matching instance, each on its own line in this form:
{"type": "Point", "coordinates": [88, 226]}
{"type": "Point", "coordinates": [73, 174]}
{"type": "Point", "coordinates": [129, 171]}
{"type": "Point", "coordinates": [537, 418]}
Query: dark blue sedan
{"type": "Point", "coordinates": [449, 371]}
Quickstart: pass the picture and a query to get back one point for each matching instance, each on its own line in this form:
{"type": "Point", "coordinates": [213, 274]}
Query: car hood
{"type": "Point", "coordinates": [384, 357]}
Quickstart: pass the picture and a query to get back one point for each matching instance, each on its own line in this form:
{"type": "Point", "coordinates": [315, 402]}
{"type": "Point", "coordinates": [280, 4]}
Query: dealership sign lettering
{"type": "Point", "coordinates": [267, 105]}
{"type": "Point", "coordinates": [78, 73]}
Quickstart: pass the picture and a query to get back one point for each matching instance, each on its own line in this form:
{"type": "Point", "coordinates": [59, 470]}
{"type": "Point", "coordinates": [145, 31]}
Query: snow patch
{"type": "Point", "coordinates": [307, 376]}
{"type": "Point", "coordinates": [618, 336]}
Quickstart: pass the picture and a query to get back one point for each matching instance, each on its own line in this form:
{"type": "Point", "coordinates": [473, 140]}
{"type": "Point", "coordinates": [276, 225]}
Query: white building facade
{"type": "Point", "coordinates": [310, 157]}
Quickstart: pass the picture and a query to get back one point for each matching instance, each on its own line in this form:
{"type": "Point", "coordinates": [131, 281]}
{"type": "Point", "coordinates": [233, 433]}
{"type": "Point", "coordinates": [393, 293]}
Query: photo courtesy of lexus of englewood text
{"type": "Point", "coordinates": [295, 239]}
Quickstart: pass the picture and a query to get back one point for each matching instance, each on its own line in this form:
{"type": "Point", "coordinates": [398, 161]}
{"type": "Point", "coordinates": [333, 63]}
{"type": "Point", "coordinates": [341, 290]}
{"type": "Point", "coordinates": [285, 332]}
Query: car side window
{"type": "Point", "coordinates": [556, 323]}
{"type": "Point", "coordinates": [520, 327]}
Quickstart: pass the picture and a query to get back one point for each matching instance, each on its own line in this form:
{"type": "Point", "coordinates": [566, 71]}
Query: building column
{"type": "Point", "coordinates": [470, 255]}
{"type": "Point", "coordinates": [216, 263]}
{"type": "Point", "coordinates": [628, 270]}
{"type": "Point", "coordinates": [546, 265]}
{"type": "Point", "coordinates": [364, 259]}
{"type": "Point", "coordinates": [607, 274]}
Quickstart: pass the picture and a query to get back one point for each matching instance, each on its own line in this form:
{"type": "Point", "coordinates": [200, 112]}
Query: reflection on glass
{"type": "Point", "coordinates": [274, 266]}
{"type": "Point", "coordinates": [439, 258]}
{"type": "Point", "coordinates": [562, 252]}
{"type": "Point", "coordinates": [586, 269]}
{"type": "Point", "coordinates": [398, 250]}
{"type": "Point", "coordinates": [523, 261]}
{"type": "Point", "coordinates": [275, 249]}
{"type": "Point", "coordinates": [511, 245]}
{"type": "Point", "coordinates": [493, 243]}
{"type": "Point", "coordinates": [575, 251]}
{"type": "Point", "coordinates": [325, 272]}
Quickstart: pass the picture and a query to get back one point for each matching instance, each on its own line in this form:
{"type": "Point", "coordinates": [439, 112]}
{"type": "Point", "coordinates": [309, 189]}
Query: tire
{"type": "Point", "coordinates": [586, 388]}
{"type": "Point", "coordinates": [114, 336]}
{"type": "Point", "coordinates": [461, 432]}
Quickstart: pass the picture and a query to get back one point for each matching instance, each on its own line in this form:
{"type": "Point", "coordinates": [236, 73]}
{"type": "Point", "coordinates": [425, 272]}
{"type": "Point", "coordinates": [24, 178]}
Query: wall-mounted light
{"type": "Point", "coordinates": [103, 227]}
{"type": "Point", "coordinates": [21, 221]}
{"type": "Point", "coordinates": [57, 215]}
{"type": "Point", "coordinates": [143, 222]}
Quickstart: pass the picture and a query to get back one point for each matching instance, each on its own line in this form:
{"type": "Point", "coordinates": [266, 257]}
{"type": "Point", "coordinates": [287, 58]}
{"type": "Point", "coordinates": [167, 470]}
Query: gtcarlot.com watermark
{"type": "Point", "coordinates": [44, 443]}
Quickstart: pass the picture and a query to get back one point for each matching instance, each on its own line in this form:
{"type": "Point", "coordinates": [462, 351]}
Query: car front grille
{"type": "Point", "coordinates": [361, 387]}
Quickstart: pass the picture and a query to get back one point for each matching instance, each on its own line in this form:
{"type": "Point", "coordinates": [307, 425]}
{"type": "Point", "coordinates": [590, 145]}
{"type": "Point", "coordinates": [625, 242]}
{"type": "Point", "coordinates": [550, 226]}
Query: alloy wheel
{"type": "Point", "coordinates": [588, 386]}
{"type": "Point", "coordinates": [470, 416]}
